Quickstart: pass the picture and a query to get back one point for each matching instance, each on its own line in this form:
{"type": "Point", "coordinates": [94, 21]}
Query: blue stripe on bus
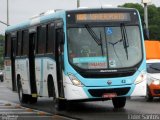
{"type": "Point", "coordinates": [89, 59]}
{"type": "Point", "coordinates": [41, 86]}
{"type": "Point", "coordinates": [141, 29]}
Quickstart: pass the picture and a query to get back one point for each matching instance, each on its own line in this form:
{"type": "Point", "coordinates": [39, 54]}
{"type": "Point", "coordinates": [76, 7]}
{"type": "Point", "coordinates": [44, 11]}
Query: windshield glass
{"type": "Point", "coordinates": [104, 47]}
{"type": "Point", "coordinates": [153, 67]}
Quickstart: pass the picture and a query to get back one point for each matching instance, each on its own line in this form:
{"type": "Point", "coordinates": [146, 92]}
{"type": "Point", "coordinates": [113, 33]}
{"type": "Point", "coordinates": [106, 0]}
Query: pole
{"type": "Point", "coordinates": [146, 14]}
{"type": "Point", "coordinates": [7, 12]}
{"type": "Point", "coordinates": [78, 3]}
{"type": "Point", "coordinates": [146, 18]}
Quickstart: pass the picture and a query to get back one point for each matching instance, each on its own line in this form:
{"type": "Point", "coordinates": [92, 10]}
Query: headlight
{"type": "Point", "coordinates": [155, 81]}
{"type": "Point", "coordinates": [74, 80]}
{"type": "Point", "coordinates": [140, 78]}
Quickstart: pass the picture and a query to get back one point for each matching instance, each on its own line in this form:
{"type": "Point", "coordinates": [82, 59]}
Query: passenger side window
{"type": "Point", "coordinates": [50, 45]}
{"type": "Point", "coordinates": [13, 45]}
{"type": "Point", "coordinates": [19, 43]}
{"type": "Point", "coordinates": [41, 39]}
{"type": "Point", "coordinates": [25, 38]}
{"type": "Point", "coordinates": [8, 46]}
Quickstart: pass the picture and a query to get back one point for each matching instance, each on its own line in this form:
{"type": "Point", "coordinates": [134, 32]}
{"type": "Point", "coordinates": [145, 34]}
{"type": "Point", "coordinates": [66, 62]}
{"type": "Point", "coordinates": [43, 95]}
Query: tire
{"type": "Point", "coordinates": [119, 102]}
{"type": "Point", "coordinates": [1, 78]}
{"type": "Point", "coordinates": [23, 98]}
{"type": "Point", "coordinates": [149, 97]}
{"type": "Point", "coordinates": [59, 104]}
{"type": "Point", "coordinates": [32, 100]}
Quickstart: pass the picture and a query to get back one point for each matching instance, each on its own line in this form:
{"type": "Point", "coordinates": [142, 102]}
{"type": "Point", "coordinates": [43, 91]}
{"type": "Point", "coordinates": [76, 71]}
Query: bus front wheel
{"type": "Point", "coordinates": [59, 104]}
{"type": "Point", "coordinates": [119, 102]}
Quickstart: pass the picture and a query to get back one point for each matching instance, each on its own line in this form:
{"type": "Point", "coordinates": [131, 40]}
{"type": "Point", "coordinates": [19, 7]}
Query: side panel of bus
{"type": "Point", "coordinates": [22, 69]}
{"type": "Point", "coordinates": [8, 73]}
{"type": "Point", "coordinates": [45, 67]}
{"type": "Point", "coordinates": [45, 63]}
{"type": "Point", "coordinates": [36, 55]}
{"type": "Point", "coordinates": [8, 63]}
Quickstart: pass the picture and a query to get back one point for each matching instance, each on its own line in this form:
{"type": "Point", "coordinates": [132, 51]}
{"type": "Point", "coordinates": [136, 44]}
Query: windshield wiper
{"type": "Point", "coordinates": [93, 34]}
{"type": "Point", "coordinates": [115, 42]}
{"type": "Point", "coordinates": [97, 39]}
{"type": "Point", "coordinates": [125, 39]}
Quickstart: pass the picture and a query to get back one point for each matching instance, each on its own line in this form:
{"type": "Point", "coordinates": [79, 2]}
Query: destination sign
{"type": "Point", "coordinates": [92, 17]}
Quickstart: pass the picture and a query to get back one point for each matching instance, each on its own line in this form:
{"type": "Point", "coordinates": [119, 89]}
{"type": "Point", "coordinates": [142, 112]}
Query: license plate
{"type": "Point", "coordinates": [109, 95]}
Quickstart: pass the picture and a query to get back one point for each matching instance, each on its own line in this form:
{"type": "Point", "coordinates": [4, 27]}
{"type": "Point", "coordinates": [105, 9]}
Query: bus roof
{"type": "Point", "coordinates": [58, 14]}
{"type": "Point", "coordinates": [37, 20]}
{"type": "Point", "coordinates": [101, 9]}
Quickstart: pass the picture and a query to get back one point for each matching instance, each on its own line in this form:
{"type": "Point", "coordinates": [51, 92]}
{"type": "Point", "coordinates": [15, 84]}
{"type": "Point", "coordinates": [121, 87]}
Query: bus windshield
{"type": "Point", "coordinates": [104, 47]}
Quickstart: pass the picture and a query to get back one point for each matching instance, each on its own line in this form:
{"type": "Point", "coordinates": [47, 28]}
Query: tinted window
{"type": "Point", "coordinates": [110, 47]}
{"type": "Point", "coordinates": [13, 44]}
{"type": "Point", "coordinates": [25, 46]}
{"type": "Point", "coordinates": [50, 38]}
{"type": "Point", "coordinates": [8, 46]}
{"type": "Point", "coordinates": [19, 43]}
{"type": "Point", "coordinates": [41, 39]}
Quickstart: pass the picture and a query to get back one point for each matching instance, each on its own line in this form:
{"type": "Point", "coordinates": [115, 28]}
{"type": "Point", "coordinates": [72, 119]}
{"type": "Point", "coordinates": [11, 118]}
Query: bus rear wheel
{"type": "Point", "coordinates": [32, 100]}
{"type": "Point", "coordinates": [23, 98]}
{"type": "Point", "coordinates": [119, 102]}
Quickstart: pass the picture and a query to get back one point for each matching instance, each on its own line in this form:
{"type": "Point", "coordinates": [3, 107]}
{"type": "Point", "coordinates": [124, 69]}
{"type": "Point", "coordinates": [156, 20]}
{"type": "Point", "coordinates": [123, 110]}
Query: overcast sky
{"type": "Point", "coordinates": [20, 10]}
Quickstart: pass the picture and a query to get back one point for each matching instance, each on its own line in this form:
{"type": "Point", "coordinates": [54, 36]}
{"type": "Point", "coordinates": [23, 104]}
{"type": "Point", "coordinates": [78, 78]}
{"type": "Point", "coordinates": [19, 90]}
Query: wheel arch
{"type": "Point", "coordinates": [17, 80]}
{"type": "Point", "coordinates": [50, 84]}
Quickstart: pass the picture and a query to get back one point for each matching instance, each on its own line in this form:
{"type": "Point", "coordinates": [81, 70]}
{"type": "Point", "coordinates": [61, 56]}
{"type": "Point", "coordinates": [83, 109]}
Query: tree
{"type": "Point", "coordinates": [153, 18]}
{"type": "Point", "coordinates": [137, 6]}
{"type": "Point", "coordinates": [1, 37]}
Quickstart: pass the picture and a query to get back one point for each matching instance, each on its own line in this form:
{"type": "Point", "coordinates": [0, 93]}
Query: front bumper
{"type": "Point", "coordinates": [140, 89]}
{"type": "Point", "coordinates": [83, 93]}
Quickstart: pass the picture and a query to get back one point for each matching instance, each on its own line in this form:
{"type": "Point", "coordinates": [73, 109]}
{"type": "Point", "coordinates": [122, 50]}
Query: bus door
{"type": "Point", "coordinates": [32, 38]}
{"type": "Point", "coordinates": [59, 57]}
{"type": "Point", "coordinates": [13, 54]}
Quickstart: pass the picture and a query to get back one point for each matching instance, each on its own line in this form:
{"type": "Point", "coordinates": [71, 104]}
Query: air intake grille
{"type": "Point", "coordinates": [100, 92]}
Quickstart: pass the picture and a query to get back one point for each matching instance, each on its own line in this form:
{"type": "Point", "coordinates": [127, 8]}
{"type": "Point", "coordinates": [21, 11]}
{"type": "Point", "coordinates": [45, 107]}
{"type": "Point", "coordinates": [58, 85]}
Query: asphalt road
{"type": "Point", "coordinates": [135, 109]}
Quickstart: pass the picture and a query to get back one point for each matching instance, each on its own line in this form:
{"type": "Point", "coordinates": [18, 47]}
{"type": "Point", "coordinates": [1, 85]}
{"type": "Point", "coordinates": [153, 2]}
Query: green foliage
{"type": "Point", "coordinates": [153, 18]}
{"type": "Point", "coordinates": [137, 6]}
{"type": "Point", "coordinates": [1, 37]}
